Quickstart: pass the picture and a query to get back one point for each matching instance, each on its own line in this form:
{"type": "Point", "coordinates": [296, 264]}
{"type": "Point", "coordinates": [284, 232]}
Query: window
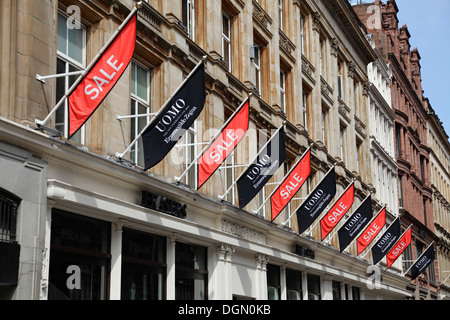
{"type": "Point", "coordinates": [356, 293]}
{"type": "Point", "coordinates": [143, 266]}
{"type": "Point", "coordinates": [359, 155]}
{"type": "Point", "coordinates": [342, 142]}
{"type": "Point", "coordinates": [407, 258]}
{"type": "Point", "coordinates": [230, 176]}
{"type": "Point", "coordinates": [191, 272]}
{"type": "Point", "coordinates": [340, 80]}
{"type": "Point", "coordinates": [140, 107]}
{"type": "Point", "coordinates": [262, 139]}
{"type": "Point", "coordinates": [314, 287]}
{"type": "Point", "coordinates": [273, 282]}
{"type": "Point", "coordinates": [257, 67]}
{"type": "Point", "coordinates": [294, 285]}
{"type": "Point", "coordinates": [422, 168]}
{"type": "Point", "coordinates": [336, 290]}
{"type": "Point", "coordinates": [302, 34]}
{"type": "Point", "coordinates": [190, 153]}
{"type": "Point", "coordinates": [71, 57]}
{"type": "Point", "coordinates": [398, 138]}
{"type": "Point", "coordinates": [281, 14]}
{"type": "Point", "coordinates": [400, 191]}
{"type": "Point", "coordinates": [305, 109]}
{"type": "Point", "coordinates": [188, 16]}
{"type": "Point", "coordinates": [324, 125]}
{"type": "Point", "coordinates": [226, 40]}
{"type": "Point", "coordinates": [84, 243]}
{"type": "Point", "coordinates": [425, 213]}
{"type": "Point", "coordinates": [323, 57]}
{"type": "Point", "coordinates": [283, 90]}
{"type": "Point", "coordinates": [431, 273]}
{"type": "Point", "coordinates": [9, 205]}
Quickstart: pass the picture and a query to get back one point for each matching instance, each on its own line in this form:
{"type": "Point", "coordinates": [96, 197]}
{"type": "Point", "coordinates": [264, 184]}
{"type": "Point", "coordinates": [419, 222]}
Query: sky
{"type": "Point", "coordinates": [428, 23]}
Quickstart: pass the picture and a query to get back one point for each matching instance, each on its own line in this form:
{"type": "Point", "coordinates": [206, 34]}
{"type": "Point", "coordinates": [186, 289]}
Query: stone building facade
{"type": "Point", "coordinates": [412, 151]}
{"type": "Point", "coordinates": [440, 182]}
{"type": "Point", "coordinates": [381, 128]}
{"type": "Point", "coordinates": [79, 210]}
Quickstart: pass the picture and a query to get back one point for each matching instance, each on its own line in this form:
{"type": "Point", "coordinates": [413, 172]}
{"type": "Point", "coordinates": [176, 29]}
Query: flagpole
{"type": "Point", "coordinates": [121, 155]}
{"type": "Point", "coordinates": [360, 233]}
{"type": "Point", "coordinates": [399, 239]}
{"type": "Point", "coordinates": [234, 183]}
{"type": "Point", "coordinates": [322, 215]}
{"type": "Point", "coordinates": [423, 253]}
{"type": "Point", "coordinates": [284, 179]}
{"type": "Point", "coordinates": [178, 179]}
{"type": "Point", "coordinates": [295, 211]}
{"type": "Point", "coordinates": [369, 248]}
{"type": "Point", "coordinates": [329, 240]}
{"type": "Point", "coordinates": [91, 65]}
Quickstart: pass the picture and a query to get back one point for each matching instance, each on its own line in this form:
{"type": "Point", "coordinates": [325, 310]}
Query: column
{"type": "Point", "coordinates": [326, 288]}
{"type": "Point", "coordinates": [261, 276]}
{"type": "Point", "coordinates": [170, 281]}
{"type": "Point", "coordinates": [46, 253]}
{"type": "Point", "coordinates": [116, 261]}
{"type": "Point", "coordinates": [305, 285]}
{"type": "Point", "coordinates": [223, 288]}
{"type": "Point", "coordinates": [283, 283]}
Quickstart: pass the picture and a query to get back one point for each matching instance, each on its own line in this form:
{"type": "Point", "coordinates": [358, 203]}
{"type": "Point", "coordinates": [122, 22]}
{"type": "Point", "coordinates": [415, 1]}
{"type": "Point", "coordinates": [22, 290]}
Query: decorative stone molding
{"type": "Point", "coordinates": [316, 21]}
{"type": "Point", "coordinates": [260, 15]}
{"type": "Point", "coordinates": [224, 252]}
{"type": "Point", "coordinates": [351, 69]}
{"type": "Point", "coordinates": [335, 47]}
{"type": "Point", "coordinates": [261, 261]}
{"type": "Point", "coordinates": [151, 17]}
{"type": "Point", "coordinates": [286, 44]}
{"type": "Point", "coordinates": [242, 232]}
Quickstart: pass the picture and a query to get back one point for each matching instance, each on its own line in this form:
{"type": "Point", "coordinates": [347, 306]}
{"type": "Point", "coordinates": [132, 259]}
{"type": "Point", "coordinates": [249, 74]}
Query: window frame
{"type": "Point", "coordinates": [135, 102]}
{"type": "Point", "coordinates": [283, 91]}
{"type": "Point", "coordinates": [227, 39]}
{"type": "Point", "coordinates": [189, 15]}
{"type": "Point", "coordinates": [9, 205]}
{"type": "Point", "coordinates": [257, 68]}
{"type": "Point", "coordinates": [77, 65]}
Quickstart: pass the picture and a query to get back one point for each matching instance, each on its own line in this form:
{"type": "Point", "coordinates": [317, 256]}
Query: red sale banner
{"type": "Point", "coordinates": [398, 248]}
{"type": "Point", "coordinates": [221, 148]}
{"type": "Point", "coordinates": [340, 208]}
{"type": "Point", "coordinates": [372, 231]}
{"type": "Point", "coordinates": [102, 77]}
{"type": "Point", "coordinates": [291, 185]}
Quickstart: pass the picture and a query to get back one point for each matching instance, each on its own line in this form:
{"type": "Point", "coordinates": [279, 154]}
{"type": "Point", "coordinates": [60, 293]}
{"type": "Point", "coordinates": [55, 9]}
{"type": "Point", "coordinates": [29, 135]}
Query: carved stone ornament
{"type": "Point", "coordinates": [224, 252]}
{"type": "Point", "coordinates": [261, 261]}
{"type": "Point", "coordinates": [243, 232]}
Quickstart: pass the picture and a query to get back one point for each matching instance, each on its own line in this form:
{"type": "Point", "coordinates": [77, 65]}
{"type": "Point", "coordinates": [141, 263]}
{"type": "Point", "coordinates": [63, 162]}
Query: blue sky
{"type": "Point", "coordinates": [428, 24]}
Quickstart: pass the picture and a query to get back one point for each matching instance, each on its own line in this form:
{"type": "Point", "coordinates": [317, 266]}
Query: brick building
{"type": "Point", "coordinates": [412, 151]}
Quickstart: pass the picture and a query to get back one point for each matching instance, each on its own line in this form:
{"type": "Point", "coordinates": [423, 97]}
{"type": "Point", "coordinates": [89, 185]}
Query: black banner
{"type": "Point", "coordinates": [387, 241]}
{"type": "Point", "coordinates": [269, 160]}
{"type": "Point", "coordinates": [423, 262]}
{"type": "Point", "coordinates": [317, 201]}
{"type": "Point", "coordinates": [355, 224]}
{"type": "Point", "coordinates": [173, 122]}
